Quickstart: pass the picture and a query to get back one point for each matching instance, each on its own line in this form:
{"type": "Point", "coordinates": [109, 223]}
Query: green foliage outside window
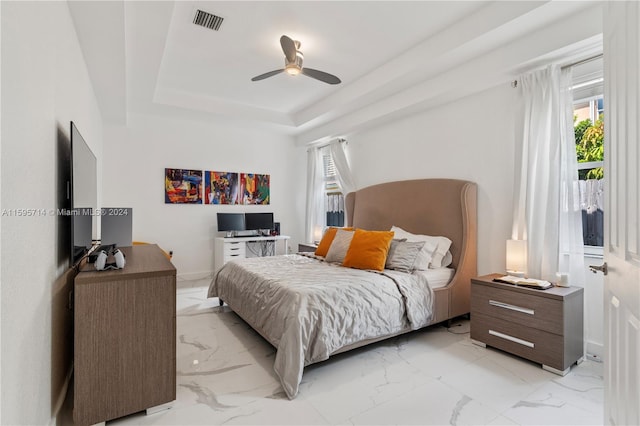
{"type": "Point", "coordinates": [590, 146]}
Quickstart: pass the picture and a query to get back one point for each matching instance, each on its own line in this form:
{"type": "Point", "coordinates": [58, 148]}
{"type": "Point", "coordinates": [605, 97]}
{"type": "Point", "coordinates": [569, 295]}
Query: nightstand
{"type": "Point", "coordinates": [544, 326]}
{"type": "Point", "coordinates": [307, 247]}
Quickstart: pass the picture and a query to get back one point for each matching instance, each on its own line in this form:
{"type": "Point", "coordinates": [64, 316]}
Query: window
{"type": "Point", "coordinates": [333, 197]}
{"type": "Point", "coordinates": [589, 134]}
{"type": "Point", "coordinates": [328, 178]}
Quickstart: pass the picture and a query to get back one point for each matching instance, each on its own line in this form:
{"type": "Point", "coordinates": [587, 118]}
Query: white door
{"type": "Point", "coordinates": [622, 219]}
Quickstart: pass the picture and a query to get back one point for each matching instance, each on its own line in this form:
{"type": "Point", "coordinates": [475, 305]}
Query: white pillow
{"type": "Point", "coordinates": [339, 246]}
{"type": "Point", "coordinates": [448, 259]}
{"type": "Point", "coordinates": [424, 256]}
{"type": "Point", "coordinates": [433, 252]}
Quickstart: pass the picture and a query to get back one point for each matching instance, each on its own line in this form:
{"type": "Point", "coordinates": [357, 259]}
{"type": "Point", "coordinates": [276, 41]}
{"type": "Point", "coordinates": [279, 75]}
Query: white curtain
{"type": "Point", "coordinates": [315, 192]}
{"type": "Point", "coordinates": [343, 171]}
{"type": "Point", "coordinates": [547, 210]}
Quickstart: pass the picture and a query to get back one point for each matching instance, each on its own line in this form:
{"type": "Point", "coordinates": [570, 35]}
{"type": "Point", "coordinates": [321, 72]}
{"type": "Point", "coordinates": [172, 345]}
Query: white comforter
{"type": "Point", "coordinates": [308, 309]}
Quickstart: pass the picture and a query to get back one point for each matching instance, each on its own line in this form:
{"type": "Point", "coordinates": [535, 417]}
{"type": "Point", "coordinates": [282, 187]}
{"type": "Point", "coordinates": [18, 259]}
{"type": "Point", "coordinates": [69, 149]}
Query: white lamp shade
{"type": "Point", "coordinates": [516, 256]}
{"type": "Point", "coordinates": [317, 233]}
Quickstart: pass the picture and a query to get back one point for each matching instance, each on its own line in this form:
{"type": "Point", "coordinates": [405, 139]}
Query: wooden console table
{"type": "Point", "coordinates": [124, 337]}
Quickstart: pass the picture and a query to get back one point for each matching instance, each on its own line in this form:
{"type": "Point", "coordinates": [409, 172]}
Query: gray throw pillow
{"type": "Point", "coordinates": [404, 255]}
{"type": "Point", "coordinates": [392, 248]}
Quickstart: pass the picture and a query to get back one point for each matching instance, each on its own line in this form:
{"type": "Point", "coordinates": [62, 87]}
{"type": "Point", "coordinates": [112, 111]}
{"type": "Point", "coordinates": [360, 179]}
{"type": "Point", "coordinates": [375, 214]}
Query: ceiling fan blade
{"type": "Point", "coordinates": [321, 75]}
{"type": "Point", "coordinates": [289, 48]}
{"type": "Point", "coordinates": [266, 75]}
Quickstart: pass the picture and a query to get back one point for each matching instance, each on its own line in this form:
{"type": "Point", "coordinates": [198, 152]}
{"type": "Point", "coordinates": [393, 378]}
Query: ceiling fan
{"type": "Point", "coordinates": [293, 64]}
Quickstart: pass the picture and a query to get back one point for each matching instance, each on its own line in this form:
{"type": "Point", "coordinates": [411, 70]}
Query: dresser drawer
{"type": "Point", "coordinates": [529, 310]}
{"type": "Point", "coordinates": [530, 343]}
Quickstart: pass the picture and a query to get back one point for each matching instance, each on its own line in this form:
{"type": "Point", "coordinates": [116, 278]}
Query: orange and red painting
{"type": "Point", "coordinates": [182, 186]}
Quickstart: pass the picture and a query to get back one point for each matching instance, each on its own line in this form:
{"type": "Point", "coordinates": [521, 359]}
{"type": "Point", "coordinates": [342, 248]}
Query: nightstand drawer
{"type": "Point", "coordinates": [529, 310]}
{"type": "Point", "coordinates": [307, 247]}
{"type": "Point", "coordinates": [530, 343]}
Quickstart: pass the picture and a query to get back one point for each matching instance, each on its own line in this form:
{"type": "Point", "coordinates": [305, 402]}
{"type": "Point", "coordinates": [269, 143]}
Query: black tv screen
{"type": "Point", "coordinates": [258, 221]}
{"type": "Point", "coordinates": [230, 222]}
{"type": "Point", "coordinates": [84, 195]}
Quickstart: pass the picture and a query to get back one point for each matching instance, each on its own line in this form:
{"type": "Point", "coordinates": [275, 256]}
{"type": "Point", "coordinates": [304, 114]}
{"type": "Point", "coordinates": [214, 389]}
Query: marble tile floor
{"type": "Point", "coordinates": [434, 376]}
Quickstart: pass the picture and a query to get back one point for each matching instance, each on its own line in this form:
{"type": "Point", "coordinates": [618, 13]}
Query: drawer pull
{"type": "Point", "coordinates": [512, 307]}
{"type": "Point", "coordinates": [512, 339]}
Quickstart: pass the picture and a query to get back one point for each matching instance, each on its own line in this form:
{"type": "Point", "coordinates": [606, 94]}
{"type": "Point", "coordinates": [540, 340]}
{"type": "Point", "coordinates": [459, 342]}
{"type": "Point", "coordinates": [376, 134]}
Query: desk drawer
{"type": "Point", "coordinates": [527, 310]}
{"type": "Point", "coordinates": [234, 251]}
{"type": "Point", "coordinates": [530, 343]}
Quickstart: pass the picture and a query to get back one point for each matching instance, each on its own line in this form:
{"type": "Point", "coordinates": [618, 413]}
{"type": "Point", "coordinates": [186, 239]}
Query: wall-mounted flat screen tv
{"type": "Point", "coordinates": [258, 221]}
{"type": "Point", "coordinates": [84, 195]}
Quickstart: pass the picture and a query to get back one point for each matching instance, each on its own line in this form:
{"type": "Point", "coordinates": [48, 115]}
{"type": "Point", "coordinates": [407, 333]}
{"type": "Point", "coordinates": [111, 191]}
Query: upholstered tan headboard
{"type": "Point", "coordinates": [437, 207]}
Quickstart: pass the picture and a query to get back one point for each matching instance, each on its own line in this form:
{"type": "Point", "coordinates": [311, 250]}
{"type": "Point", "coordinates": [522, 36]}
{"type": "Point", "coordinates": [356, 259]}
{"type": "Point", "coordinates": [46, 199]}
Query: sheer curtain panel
{"type": "Point", "coordinates": [315, 193]}
{"type": "Point", "coordinates": [547, 212]}
{"type": "Point", "coordinates": [343, 171]}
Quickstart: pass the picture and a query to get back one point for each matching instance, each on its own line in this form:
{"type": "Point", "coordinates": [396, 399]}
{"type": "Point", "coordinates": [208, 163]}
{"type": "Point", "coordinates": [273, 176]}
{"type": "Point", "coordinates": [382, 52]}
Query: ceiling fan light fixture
{"type": "Point", "coordinates": [292, 69]}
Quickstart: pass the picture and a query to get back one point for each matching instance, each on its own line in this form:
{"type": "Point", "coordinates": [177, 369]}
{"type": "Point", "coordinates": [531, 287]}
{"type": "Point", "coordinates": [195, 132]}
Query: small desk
{"type": "Point", "coordinates": [227, 249]}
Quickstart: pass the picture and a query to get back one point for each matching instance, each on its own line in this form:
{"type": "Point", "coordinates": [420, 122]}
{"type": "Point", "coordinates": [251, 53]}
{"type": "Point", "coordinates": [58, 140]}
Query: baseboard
{"type": "Point", "coordinates": [595, 351]}
{"type": "Point", "coordinates": [61, 397]}
{"type": "Point", "coordinates": [193, 279]}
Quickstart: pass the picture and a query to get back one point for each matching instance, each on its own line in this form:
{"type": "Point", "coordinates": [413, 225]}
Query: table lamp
{"type": "Point", "coordinates": [516, 257]}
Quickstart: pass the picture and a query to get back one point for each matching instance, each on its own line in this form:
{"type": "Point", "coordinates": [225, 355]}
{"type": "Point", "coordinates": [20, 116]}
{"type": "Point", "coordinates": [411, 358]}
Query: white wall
{"type": "Point", "coordinates": [44, 86]}
{"type": "Point", "coordinates": [134, 161]}
{"type": "Point", "coordinates": [471, 139]}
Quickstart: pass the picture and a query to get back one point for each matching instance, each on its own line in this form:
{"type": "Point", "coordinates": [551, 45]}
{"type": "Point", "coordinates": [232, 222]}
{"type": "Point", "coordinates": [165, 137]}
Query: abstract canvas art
{"type": "Point", "coordinates": [182, 186]}
{"type": "Point", "coordinates": [221, 188]}
{"type": "Point", "coordinates": [254, 188]}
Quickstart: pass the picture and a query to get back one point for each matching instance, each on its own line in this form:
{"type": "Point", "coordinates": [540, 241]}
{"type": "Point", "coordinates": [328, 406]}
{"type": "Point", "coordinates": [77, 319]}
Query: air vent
{"type": "Point", "coordinates": [207, 20]}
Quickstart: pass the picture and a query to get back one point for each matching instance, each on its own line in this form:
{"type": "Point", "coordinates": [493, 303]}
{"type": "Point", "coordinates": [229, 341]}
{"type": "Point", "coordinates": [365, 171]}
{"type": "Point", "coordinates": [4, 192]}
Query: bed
{"type": "Point", "coordinates": [310, 309]}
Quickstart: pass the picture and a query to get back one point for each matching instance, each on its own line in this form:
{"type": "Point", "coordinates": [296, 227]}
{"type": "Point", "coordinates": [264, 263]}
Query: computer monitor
{"type": "Point", "coordinates": [258, 221]}
{"type": "Point", "coordinates": [231, 222]}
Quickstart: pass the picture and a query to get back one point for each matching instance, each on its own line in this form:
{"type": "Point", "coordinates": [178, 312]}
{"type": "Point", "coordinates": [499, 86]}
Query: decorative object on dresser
{"type": "Point", "coordinates": [116, 226]}
{"type": "Point", "coordinates": [544, 326]}
{"type": "Point", "coordinates": [125, 337]}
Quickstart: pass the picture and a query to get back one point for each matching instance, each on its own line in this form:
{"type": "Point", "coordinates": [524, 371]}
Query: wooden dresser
{"type": "Point", "coordinates": [544, 326]}
{"type": "Point", "coordinates": [124, 337]}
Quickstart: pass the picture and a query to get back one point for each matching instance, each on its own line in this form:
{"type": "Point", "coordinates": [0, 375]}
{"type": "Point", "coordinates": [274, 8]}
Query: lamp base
{"type": "Point", "coordinates": [518, 274]}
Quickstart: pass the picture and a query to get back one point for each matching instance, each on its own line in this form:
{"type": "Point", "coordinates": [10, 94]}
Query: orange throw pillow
{"type": "Point", "coordinates": [327, 239]}
{"type": "Point", "coordinates": [368, 249]}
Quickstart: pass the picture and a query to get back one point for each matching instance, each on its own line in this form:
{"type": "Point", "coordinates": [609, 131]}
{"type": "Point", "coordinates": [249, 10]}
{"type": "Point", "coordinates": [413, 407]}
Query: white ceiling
{"type": "Point", "coordinates": [148, 57]}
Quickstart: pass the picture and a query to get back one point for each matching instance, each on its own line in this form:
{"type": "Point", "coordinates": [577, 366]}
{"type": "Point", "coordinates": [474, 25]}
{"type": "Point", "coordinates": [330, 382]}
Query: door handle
{"type": "Point", "coordinates": [602, 268]}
